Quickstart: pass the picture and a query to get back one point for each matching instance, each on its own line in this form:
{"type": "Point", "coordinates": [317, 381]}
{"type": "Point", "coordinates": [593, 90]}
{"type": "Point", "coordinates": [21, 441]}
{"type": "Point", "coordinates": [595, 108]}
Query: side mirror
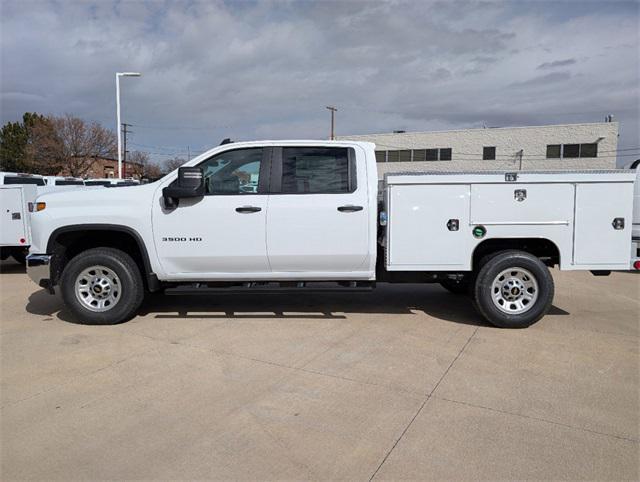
{"type": "Point", "coordinates": [190, 183]}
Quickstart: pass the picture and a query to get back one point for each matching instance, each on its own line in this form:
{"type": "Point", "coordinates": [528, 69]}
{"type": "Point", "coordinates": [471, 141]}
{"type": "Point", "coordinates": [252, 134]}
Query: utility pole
{"type": "Point", "coordinates": [118, 75]}
{"type": "Point", "coordinates": [188, 153]}
{"type": "Point", "coordinates": [124, 133]}
{"type": "Point", "coordinates": [333, 111]}
{"type": "Point", "coordinates": [521, 154]}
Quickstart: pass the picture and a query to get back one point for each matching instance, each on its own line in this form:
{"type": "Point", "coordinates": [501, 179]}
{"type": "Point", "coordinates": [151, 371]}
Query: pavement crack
{"type": "Point", "coordinates": [423, 404]}
{"type": "Point", "coordinates": [538, 419]}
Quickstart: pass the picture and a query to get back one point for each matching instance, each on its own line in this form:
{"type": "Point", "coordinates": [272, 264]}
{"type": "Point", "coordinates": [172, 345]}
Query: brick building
{"type": "Point", "coordinates": [104, 167]}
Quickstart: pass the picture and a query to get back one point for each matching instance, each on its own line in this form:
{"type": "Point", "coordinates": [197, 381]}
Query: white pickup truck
{"type": "Point", "coordinates": [309, 215]}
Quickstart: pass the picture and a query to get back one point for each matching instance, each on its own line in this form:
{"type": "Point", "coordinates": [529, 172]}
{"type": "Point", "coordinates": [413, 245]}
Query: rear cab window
{"type": "Point", "coordinates": [317, 170]}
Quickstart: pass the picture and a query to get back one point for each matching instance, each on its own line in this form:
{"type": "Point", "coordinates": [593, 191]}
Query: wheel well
{"type": "Point", "coordinates": [544, 249]}
{"type": "Point", "coordinates": [67, 243]}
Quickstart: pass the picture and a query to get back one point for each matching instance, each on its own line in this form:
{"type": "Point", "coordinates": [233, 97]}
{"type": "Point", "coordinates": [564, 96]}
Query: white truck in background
{"type": "Point", "coordinates": [18, 192]}
{"type": "Point", "coordinates": [271, 216]}
{"type": "Point", "coordinates": [15, 232]}
{"type": "Point", "coordinates": [635, 232]}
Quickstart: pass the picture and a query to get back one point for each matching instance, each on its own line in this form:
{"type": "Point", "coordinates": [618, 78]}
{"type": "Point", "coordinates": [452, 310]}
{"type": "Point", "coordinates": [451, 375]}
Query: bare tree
{"type": "Point", "coordinates": [173, 164]}
{"type": "Point", "coordinates": [140, 165]}
{"type": "Point", "coordinates": [80, 143]}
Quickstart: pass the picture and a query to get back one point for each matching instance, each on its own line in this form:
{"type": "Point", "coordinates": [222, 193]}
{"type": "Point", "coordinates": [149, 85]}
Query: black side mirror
{"type": "Point", "coordinates": [190, 183]}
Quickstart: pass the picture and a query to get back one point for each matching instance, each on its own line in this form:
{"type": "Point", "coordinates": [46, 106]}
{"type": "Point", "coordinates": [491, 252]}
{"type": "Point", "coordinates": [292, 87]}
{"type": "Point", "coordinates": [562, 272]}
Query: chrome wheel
{"type": "Point", "coordinates": [514, 291]}
{"type": "Point", "coordinates": [98, 288]}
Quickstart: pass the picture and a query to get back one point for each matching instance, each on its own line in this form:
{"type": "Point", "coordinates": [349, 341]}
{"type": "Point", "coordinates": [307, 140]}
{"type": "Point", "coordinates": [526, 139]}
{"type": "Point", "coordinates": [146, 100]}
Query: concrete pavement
{"type": "Point", "coordinates": [406, 382]}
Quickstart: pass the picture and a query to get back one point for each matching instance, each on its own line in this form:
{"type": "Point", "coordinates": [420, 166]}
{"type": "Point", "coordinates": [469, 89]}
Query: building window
{"type": "Point", "coordinates": [404, 156]}
{"type": "Point", "coordinates": [392, 156]}
{"type": "Point", "coordinates": [419, 155]}
{"type": "Point", "coordinates": [445, 154]}
{"type": "Point", "coordinates": [381, 156]}
{"type": "Point", "coordinates": [589, 150]}
{"type": "Point", "coordinates": [432, 154]}
{"type": "Point", "coordinates": [553, 151]}
{"type": "Point", "coordinates": [570, 150]}
{"type": "Point", "coordinates": [488, 153]}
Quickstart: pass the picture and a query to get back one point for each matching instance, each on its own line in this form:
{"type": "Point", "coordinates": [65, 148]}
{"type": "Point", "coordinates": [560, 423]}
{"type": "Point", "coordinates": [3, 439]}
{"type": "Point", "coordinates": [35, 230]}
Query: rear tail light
{"type": "Point", "coordinates": [636, 265]}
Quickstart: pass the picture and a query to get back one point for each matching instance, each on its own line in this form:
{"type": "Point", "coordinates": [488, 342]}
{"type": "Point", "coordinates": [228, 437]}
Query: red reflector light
{"type": "Point", "coordinates": [636, 265]}
{"type": "Point", "coordinates": [22, 240]}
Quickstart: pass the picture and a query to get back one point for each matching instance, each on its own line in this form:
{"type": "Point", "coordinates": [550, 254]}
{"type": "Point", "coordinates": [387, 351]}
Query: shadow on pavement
{"type": "Point", "coordinates": [386, 299]}
{"type": "Point", "coordinates": [9, 266]}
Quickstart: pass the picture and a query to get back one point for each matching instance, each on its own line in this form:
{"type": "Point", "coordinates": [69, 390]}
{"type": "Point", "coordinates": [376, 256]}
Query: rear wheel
{"type": "Point", "coordinates": [102, 286]}
{"type": "Point", "coordinates": [513, 289]}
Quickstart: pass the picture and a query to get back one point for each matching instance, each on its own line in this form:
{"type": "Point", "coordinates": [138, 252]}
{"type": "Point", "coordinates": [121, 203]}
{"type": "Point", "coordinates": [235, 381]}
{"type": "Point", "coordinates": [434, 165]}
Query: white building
{"type": "Point", "coordinates": [568, 146]}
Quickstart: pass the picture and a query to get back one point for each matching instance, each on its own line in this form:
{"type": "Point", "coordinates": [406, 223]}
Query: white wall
{"type": "Point", "coordinates": [467, 147]}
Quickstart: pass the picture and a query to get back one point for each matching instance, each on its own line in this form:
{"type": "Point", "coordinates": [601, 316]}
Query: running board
{"type": "Point", "coordinates": [258, 288]}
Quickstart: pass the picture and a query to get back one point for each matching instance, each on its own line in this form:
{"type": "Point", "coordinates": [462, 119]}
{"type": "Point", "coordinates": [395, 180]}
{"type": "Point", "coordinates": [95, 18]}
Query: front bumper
{"type": "Point", "coordinates": [38, 269]}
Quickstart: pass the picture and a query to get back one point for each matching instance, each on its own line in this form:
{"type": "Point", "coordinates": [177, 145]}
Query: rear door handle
{"type": "Point", "coordinates": [248, 209]}
{"type": "Point", "coordinates": [350, 209]}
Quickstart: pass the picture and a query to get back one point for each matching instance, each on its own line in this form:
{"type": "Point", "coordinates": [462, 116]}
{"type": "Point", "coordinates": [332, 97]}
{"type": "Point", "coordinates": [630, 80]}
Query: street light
{"type": "Point", "coordinates": [118, 75]}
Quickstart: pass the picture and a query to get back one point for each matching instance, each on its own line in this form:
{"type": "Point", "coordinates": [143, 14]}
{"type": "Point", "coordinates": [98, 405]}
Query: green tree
{"type": "Point", "coordinates": [15, 140]}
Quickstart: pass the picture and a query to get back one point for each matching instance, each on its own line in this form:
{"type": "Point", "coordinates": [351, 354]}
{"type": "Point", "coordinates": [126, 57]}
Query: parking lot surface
{"type": "Point", "coordinates": [406, 382]}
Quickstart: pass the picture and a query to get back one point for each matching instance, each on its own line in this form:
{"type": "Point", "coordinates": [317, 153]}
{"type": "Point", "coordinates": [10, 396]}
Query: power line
{"type": "Point", "coordinates": [183, 127]}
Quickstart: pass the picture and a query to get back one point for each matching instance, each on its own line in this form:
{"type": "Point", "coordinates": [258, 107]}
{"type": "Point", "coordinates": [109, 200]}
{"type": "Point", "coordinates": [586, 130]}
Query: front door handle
{"type": "Point", "coordinates": [350, 209]}
{"type": "Point", "coordinates": [248, 209]}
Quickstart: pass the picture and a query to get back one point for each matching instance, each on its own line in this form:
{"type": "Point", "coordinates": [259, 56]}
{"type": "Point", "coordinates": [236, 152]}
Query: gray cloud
{"type": "Point", "coordinates": [267, 69]}
{"type": "Point", "coordinates": [556, 63]}
{"type": "Point", "coordinates": [543, 80]}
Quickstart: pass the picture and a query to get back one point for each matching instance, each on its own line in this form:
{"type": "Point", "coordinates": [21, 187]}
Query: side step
{"type": "Point", "coordinates": [273, 288]}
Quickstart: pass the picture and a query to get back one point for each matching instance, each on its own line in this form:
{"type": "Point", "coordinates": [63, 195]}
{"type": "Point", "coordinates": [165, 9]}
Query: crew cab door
{"type": "Point", "coordinates": [318, 217]}
{"type": "Point", "coordinates": [222, 234]}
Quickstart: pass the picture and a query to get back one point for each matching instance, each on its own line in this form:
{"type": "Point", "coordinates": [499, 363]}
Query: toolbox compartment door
{"type": "Point", "coordinates": [522, 204]}
{"type": "Point", "coordinates": [597, 242]}
{"type": "Point", "coordinates": [12, 217]}
{"type": "Point", "coordinates": [422, 234]}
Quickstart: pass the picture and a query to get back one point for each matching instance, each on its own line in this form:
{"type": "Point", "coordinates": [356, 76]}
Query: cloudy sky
{"type": "Point", "coordinates": [267, 69]}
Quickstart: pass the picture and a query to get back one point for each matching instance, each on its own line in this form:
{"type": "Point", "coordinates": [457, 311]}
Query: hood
{"type": "Point", "coordinates": [90, 195]}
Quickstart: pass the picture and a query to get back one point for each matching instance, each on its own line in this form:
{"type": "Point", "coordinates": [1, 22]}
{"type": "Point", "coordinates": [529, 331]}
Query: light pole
{"type": "Point", "coordinates": [118, 75]}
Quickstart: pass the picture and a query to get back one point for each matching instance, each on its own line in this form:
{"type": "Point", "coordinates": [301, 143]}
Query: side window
{"type": "Point", "coordinates": [233, 172]}
{"type": "Point", "coordinates": [316, 170]}
{"type": "Point", "coordinates": [24, 180]}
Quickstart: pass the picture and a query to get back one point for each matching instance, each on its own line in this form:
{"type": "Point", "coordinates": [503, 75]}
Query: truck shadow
{"type": "Point", "coordinates": [11, 267]}
{"type": "Point", "coordinates": [386, 299]}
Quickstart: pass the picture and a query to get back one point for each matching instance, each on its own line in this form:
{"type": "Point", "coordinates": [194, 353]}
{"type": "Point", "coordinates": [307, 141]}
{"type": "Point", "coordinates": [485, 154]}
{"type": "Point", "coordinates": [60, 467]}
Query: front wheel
{"type": "Point", "coordinates": [102, 286]}
{"type": "Point", "coordinates": [514, 289]}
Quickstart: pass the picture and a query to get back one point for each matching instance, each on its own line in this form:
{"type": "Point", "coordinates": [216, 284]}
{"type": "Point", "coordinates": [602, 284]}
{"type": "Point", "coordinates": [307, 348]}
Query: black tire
{"type": "Point", "coordinates": [484, 290]}
{"type": "Point", "coordinates": [131, 285]}
{"type": "Point", "coordinates": [457, 287]}
{"type": "Point", "coordinates": [20, 255]}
